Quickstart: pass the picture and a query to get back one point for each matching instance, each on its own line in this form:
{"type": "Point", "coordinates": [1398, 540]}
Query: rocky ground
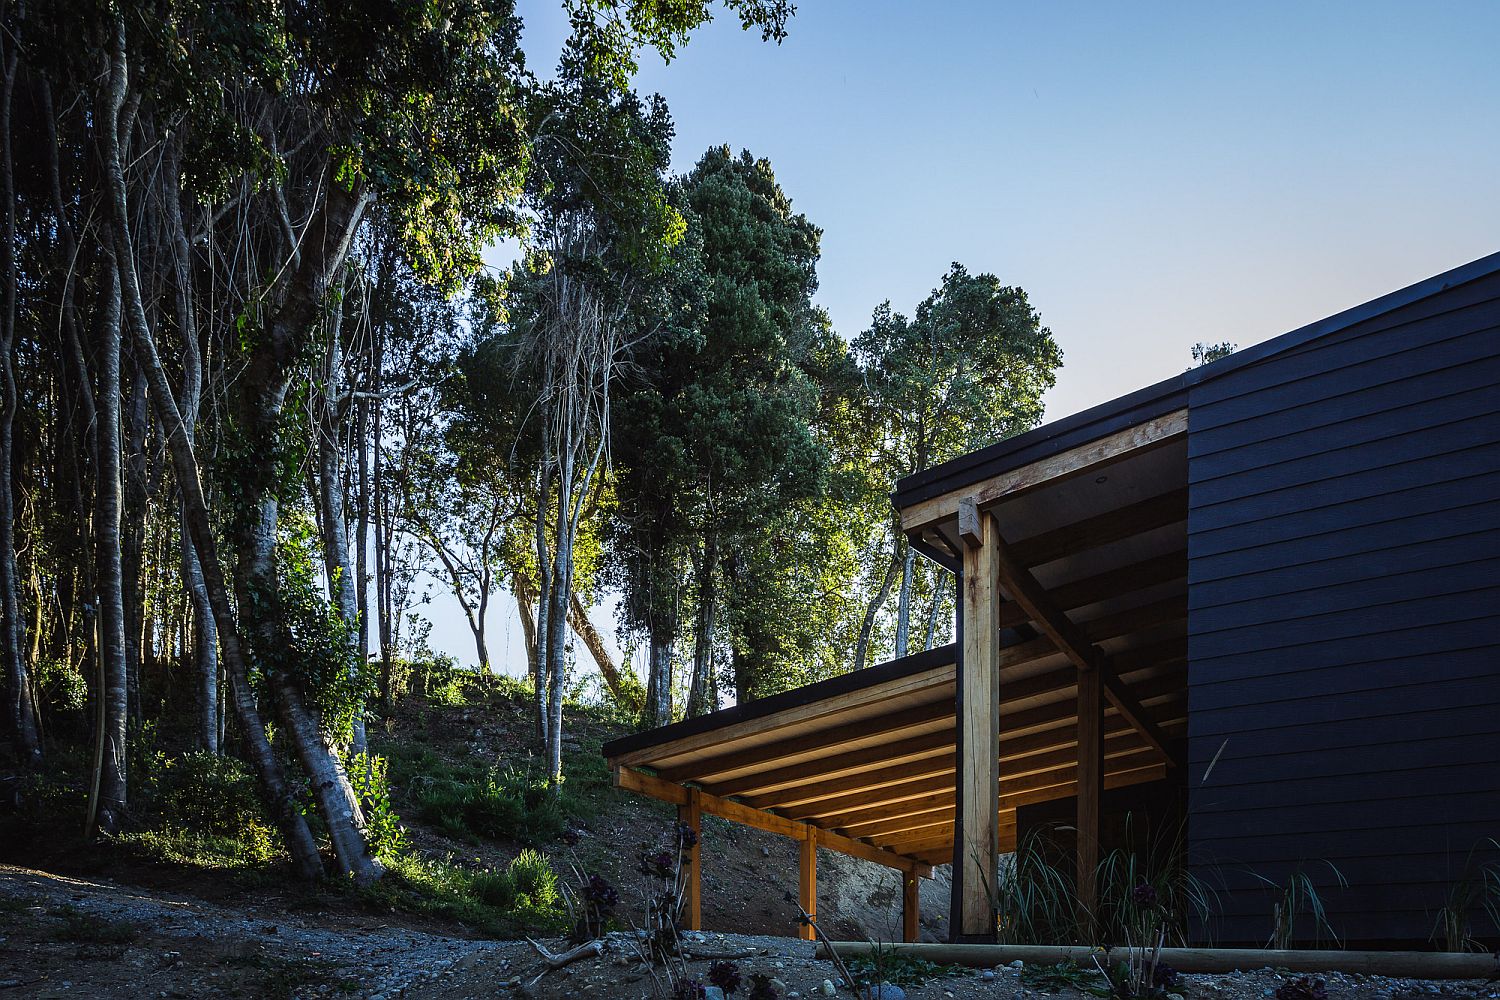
{"type": "Point", "coordinates": [67, 937]}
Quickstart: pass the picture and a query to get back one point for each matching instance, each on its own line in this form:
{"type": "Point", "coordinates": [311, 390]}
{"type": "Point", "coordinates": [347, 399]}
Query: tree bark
{"type": "Point", "coordinates": [703, 638]}
{"type": "Point", "coordinates": [584, 629]}
{"type": "Point", "coordinates": [933, 613]}
{"type": "Point", "coordinates": [205, 637]}
{"type": "Point", "coordinates": [20, 708]}
{"type": "Point", "coordinates": [867, 627]}
{"type": "Point", "coordinates": [283, 805]}
{"type": "Point", "coordinates": [903, 604]}
{"type": "Point", "coordinates": [114, 671]}
{"type": "Point", "coordinates": [526, 608]}
{"type": "Point", "coordinates": [334, 522]}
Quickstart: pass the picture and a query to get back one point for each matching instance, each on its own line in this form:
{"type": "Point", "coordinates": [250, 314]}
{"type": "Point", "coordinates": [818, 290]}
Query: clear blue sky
{"type": "Point", "coordinates": [1153, 174]}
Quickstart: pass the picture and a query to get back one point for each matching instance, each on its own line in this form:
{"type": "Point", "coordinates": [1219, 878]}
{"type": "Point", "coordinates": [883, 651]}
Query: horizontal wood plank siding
{"type": "Point", "coordinates": [1344, 618]}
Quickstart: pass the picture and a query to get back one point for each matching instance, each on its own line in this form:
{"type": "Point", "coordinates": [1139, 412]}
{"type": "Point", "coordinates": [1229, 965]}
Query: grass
{"type": "Point", "coordinates": [521, 898]}
{"type": "Point", "coordinates": [887, 965]}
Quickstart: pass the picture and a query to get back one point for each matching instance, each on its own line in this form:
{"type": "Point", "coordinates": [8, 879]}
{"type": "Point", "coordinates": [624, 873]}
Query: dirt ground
{"type": "Point", "coordinates": [75, 937]}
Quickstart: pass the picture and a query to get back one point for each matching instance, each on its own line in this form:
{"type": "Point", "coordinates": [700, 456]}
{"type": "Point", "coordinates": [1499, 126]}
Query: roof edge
{"type": "Point", "coordinates": [1161, 397]}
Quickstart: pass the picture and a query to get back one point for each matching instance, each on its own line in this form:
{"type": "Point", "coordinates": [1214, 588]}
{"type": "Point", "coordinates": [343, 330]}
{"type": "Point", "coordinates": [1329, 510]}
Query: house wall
{"type": "Point", "coordinates": [1344, 622]}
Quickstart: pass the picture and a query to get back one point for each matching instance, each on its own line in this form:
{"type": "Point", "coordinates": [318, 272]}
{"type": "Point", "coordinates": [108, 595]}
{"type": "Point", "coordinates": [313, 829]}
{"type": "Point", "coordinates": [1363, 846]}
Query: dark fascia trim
{"type": "Point", "coordinates": [795, 698]}
{"type": "Point", "coordinates": [1161, 398]}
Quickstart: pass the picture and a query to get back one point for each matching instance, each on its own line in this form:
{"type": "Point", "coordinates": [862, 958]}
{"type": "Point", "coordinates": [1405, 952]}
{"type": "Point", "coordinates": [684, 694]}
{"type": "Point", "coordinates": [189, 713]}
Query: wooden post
{"type": "Point", "coordinates": [807, 879]}
{"type": "Point", "coordinates": [1090, 786]}
{"type": "Point", "coordinates": [910, 907]}
{"type": "Point", "coordinates": [976, 841]}
{"type": "Point", "coordinates": [690, 813]}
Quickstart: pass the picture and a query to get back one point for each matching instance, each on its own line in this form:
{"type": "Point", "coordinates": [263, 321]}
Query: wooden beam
{"type": "Point", "coordinates": [1153, 770]}
{"type": "Point", "coordinates": [934, 751]}
{"type": "Point", "coordinates": [1065, 465]}
{"type": "Point", "coordinates": [807, 880]}
{"type": "Point", "coordinates": [1072, 640]}
{"type": "Point", "coordinates": [1090, 789]}
{"type": "Point", "coordinates": [899, 687]}
{"type": "Point", "coordinates": [910, 908]}
{"type": "Point", "coordinates": [970, 532]}
{"type": "Point", "coordinates": [1102, 529]}
{"type": "Point", "coordinates": [737, 812]}
{"type": "Point", "coordinates": [1121, 754]}
{"type": "Point", "coordinates": [1113, 583]}
{"type": "Point", "coordinates": [937, 816]}
{"type": "Point", "coordinates": [977, 836]}
{"type": "Point", "coordinates": [690, 813]}
{"type": "Point", "coordinates": [824, 739]}
{"type": "Point", "coordinates": [899, 797]}
{"type": "Point", "coordinates": [896, 794]}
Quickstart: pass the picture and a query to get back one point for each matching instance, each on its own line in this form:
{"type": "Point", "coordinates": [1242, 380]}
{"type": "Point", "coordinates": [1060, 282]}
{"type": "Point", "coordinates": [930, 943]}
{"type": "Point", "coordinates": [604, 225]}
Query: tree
{"type": "Point", "coordinates": [1207, 354]}
{"type": "Point", "coordinates": [719, 426]}
{"type": "Point", "coordinates": [601, 231]}
{"type": "Point", "coordinates": [969, 368]}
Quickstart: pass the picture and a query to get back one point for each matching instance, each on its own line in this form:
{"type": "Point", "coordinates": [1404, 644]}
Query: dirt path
{"type": "Point", "coordinates": [69, 937]}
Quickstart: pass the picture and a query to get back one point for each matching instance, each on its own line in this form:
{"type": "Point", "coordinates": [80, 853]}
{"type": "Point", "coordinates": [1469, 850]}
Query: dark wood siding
{"type": "Point", "coordinates": [1344, 617]}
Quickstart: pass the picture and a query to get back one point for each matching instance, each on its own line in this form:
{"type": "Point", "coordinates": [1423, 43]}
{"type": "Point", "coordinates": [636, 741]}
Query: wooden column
{"type": "Point", "coordinates": [910, 907]}
{"type": "Point", "coordinates": [1090, 788]}
{"type": "Point", "coordinates": [976, 840]}
{"type": "Point", "coordinates": [807, 879]}
{"type": "Point", "coordinates": [690, 813]}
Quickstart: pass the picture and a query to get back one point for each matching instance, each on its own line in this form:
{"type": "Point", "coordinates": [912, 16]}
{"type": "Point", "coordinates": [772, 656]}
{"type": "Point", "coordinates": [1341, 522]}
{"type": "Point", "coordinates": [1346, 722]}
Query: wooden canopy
{"type": "Point", "coordinates": [1072, 634]}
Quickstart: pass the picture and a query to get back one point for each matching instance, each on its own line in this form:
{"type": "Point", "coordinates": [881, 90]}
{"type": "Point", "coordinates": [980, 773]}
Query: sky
{"type": "Point", "coordinates": [1152, 174]}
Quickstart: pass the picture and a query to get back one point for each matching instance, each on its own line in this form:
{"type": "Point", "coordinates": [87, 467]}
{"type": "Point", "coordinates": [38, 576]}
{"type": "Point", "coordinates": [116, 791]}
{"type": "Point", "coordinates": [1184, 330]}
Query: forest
{"type": "Point", "coordinates": [262, 379]}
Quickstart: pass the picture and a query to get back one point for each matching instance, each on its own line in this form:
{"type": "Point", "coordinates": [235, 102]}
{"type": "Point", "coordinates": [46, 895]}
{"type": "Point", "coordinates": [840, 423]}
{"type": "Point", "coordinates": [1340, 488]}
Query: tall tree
{"type": "Point", "coordinates": [970, 367]}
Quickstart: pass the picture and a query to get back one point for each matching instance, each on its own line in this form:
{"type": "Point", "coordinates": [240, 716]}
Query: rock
{"type": "Point", "coordinates": [987, 974]}
{"type": "Point", "coordinates": [884, 991]}
{"type": "Point", "coordinates": [713, 993]}
{"type": "Point", "coordinates": [1018, 964]}
{"type": "Point", "coordinates": [765, 852]}
{"type": "Point", "coordinates": [827, 988]}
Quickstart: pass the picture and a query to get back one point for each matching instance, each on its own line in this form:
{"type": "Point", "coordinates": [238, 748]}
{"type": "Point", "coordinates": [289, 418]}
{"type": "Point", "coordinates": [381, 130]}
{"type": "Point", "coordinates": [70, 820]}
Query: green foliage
{"type": "Point", "coordinates": [1477, 889]}
{"type": "Point", "coordinates": [1206, 354]}
{"type": "Point", "coordinates": [1065, 975]}
{"type": "Point", "coordinates": [890, 965]}
{"type": "Point", "coordinates": [320, 648]}
{"type": "Point", "coordinates": [522, 898]}
{"type": "Point", "coordinates": [500, 804]}
{"type": "Point", "coordinates": [1295, 898]}
{"type": "Point", "coordinates": [210, 812]}
{"type": "Point", "coordinates": [1141, 892]}
{"type": "Point", "coordinates": [369, 776]}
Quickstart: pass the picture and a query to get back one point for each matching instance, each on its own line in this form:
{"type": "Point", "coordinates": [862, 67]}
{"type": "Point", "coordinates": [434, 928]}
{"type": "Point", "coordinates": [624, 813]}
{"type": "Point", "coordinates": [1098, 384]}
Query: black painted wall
{"type": "Point", "coordinates": [1344, 622]}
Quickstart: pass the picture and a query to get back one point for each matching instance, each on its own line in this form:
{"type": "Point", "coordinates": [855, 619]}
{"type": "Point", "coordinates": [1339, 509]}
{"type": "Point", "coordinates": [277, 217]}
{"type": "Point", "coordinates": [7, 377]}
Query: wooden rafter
{"type": "Point", "coordinates": [1073, 462]}
{"type": "Point", "coordinates": [1075, 643]}
{"type": "Point", "coordinates": [667, 791]}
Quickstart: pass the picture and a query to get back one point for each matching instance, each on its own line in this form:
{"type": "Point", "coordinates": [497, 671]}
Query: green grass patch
{"type": "Point", "coordinates": [887, 965]}
{"type": "Point", "coordinates": [524, 896]}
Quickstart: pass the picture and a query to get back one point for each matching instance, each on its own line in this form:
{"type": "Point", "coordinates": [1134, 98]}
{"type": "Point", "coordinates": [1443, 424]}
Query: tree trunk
{"type": "Point", "coordinates": [584, 629]}
{"type": "Point", "coordinates": [659, 674]}
{"type": "Point", "coordinates": [867, 627]}
{"type": "Point", "coordinates": [283, 805]}
{"type": "Point", "coordinates": [903, 604]}
{"type": "Point", "coordinates": [334, 523]}
{"type": "Point", "coordinates": [526, 608]}
{"type": "Point", "coordinates": [703, 638]}
{"type": "Point", "coordinates": [20, 709]}
{"type": "Point", "coordinates": [113, 674]}
{"type": "Point", "coordinates": [205, 653]}
{"type": "Point", "coordinates": [933, 613]}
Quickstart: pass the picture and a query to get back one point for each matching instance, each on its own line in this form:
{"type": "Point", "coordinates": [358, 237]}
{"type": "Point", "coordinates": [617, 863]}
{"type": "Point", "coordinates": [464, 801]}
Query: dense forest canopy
{"type": "Point", "coordinates": [258, 383]}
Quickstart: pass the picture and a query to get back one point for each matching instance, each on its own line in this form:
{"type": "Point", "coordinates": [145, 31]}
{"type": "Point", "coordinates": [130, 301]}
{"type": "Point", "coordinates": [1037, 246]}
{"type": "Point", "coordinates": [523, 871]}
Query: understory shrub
{"type": "Point", "coordinates": [212, 801]}
{"type": "Point", "coordinates": [500, 804]}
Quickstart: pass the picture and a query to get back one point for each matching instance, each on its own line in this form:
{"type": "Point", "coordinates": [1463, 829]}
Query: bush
{"type": "Point", "coordinates": [369, 775]}
{"type": "Point", "coordinates": [500, 804]}
{"type": "Point", "coordinates": [211, 798]}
